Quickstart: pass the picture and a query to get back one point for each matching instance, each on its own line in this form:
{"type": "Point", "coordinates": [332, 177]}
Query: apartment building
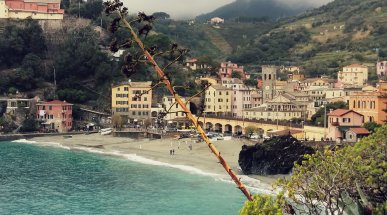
{"type": "Point", "coordinates": [218, 101]}
{"type": "Point", "coordinates": [240, 96]}
{"type": "Point", "coordinates": [353, 75]}
{"type": "Point", "coordinates": [132, 99]}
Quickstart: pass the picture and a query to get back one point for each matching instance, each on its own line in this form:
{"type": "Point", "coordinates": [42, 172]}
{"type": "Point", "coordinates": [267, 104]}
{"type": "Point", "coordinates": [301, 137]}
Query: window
{"type": "Point", "coordinates": [50, 107]}
{"type": "Point", "coordinates": [118, 89]}
{"type": "Point", "coordinates": [145, 99]}
{"type": "Point", "coordinates": [126, 88]}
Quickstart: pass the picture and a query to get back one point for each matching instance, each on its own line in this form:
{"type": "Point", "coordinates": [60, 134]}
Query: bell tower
{"type": "Point", "coordinates": [269, 76]}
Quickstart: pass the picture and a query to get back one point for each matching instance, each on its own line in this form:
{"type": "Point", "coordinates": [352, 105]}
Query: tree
{"type": "Point", "coordinates": [29, 124]}
{"type": "Point", "coordinates": [349, 180]}
{"type": "Point", "coordinates": [371, 126]}
{"type": "Point", "coordinates": [250, 130]}
{"type": "Point", "coordinates": [117, 121]}
{"type": "Point", "coordinates": [318, 117]}
{"type": "Point", "coordinates": [264, 204]}
{"type": "Point", "coordinates": [236, 74]}
{"type": "Point", "coordinates": [161, 15]}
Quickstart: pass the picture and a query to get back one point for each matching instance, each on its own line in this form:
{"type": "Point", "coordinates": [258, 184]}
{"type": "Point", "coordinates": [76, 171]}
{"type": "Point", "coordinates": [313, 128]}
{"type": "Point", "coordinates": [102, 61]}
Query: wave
{"type": "Point", "coordinates": [49, 144]}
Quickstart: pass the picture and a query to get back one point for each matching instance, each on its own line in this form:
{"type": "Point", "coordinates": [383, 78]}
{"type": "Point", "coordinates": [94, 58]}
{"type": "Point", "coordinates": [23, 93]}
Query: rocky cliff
{"type": "Point", "coordinates": [274, 156]}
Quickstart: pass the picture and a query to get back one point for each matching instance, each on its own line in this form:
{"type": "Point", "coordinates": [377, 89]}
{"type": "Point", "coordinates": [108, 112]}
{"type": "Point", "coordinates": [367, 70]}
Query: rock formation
{"type": "Point", "coordinates": [274, 156]}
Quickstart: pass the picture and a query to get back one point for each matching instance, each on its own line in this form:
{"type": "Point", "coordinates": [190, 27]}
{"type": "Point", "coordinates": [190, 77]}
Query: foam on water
{"type": "Point", "coordinates": [50, 144]}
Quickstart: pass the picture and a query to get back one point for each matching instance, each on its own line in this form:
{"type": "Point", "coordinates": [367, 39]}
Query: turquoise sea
{"type": "Point", "coordinates": [36, 179]}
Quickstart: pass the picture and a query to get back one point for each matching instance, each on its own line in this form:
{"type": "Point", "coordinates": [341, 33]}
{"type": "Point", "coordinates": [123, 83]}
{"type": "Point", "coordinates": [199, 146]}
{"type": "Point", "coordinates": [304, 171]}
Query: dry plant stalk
{"type": "Point", "coordinates": [188, 113]}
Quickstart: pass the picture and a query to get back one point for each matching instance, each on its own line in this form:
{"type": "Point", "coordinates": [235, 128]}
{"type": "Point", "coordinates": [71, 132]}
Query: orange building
{"type": "Point", "coordinates": [55, 115]}
{"type": "Point", "coordinates": [371, 104]}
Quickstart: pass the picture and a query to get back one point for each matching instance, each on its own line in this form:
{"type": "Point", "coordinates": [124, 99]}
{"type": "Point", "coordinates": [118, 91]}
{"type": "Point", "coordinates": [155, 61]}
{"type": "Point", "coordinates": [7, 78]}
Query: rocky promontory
{"type": "Point", "coordinates": [274, 156]}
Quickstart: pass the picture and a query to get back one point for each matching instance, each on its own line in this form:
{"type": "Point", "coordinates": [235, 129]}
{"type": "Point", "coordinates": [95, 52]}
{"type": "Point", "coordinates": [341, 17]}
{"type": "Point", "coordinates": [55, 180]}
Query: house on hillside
{"type": "Point", "coordinates": [353, 75]}
{"type": "Point", "coordinates": [381, 68]}
{"type": "Point", "coordinates": [340, 121]}
{"type": "Point", "coordinates": [227, 68]}
{"type": "Point", "coordinates": [36, 9]}
{"type": "Point", "coordinates": [195, 64]}
{"type": "Point", "coordinates": [216, 20]}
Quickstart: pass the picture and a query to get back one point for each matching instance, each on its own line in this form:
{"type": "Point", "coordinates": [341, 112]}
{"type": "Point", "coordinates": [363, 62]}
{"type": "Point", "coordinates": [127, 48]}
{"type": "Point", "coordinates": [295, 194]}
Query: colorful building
{"type": "Point", "coordinates": [371, 104]}
{"type": "Point", "coordinates": [36, 9]}
{"type": "Point", "coordinates": [55, 115]}
{"type": "Point", "coordinates": [381, 68]}
{"type": "Point", "coordinates": [240, 96]}
{"type": "Point", "coordinates": [227, 68]}
{"type": "Point", "coordinates": [355, 75]}
{"type": "Point", "coordinates": [340, 121]}
{"type": "Point", "coordinates": [218, 100]}
{"type": "Point", "coordinates": [132, 99]}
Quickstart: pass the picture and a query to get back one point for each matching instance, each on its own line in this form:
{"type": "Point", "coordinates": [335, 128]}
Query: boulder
{"type": "Point", "coordinates": [274, 156]}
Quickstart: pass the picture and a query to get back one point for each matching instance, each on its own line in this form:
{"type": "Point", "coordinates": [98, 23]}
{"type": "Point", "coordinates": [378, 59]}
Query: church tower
{"type": "Point", "coordinates": [269, 76]}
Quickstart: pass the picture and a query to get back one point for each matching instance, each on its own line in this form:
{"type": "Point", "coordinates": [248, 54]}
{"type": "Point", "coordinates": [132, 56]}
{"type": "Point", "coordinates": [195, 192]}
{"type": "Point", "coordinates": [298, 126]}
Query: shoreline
{"type": "Point", "coordinates": [150, 151]}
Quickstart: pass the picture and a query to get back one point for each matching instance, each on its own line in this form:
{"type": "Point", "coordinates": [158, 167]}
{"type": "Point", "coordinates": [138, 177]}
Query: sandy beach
{"type": "Point", "coordinates": [200, 157]}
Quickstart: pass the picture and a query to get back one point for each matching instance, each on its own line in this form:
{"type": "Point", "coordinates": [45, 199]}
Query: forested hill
{"type": "Point", "coordinates": [255, 8]}
{"type": "Point", "coordinates": [324, 39]}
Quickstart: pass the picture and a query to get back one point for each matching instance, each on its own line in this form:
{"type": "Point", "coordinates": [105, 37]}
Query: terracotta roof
{"type": "Point", "coordinates": [56, 102]}
{"type": "Point", "coordinates": [341, 112]}
{"type": "Point", "coordinates": [359, 130]}
{"type": "Point", "coordinates": [356, 65]}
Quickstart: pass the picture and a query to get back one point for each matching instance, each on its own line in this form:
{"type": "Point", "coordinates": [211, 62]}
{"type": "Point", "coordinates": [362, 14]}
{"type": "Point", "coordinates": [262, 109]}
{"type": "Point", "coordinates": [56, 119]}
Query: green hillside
{"type": "Point", "coordinates": [324, 39]}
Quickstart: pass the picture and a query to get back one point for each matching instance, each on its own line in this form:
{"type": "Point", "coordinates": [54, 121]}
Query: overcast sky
{"type": "Point", "coordinates": [192, 8]}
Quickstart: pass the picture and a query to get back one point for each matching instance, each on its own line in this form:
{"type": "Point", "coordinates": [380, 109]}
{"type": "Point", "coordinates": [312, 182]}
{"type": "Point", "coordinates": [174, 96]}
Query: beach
{"type": "Point", "coordinates": [200, 159]}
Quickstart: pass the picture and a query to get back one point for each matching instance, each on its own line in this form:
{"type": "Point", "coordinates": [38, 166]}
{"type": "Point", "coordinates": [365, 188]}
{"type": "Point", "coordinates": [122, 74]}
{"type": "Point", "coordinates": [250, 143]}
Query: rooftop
{"type": "Point", "coordinates": [55, 102]}
{"type": "Point", "coordinates": [355, 66]}
{"type": "Point", "coordinates": [341, 112]}
{"type": "Point", "coordinates": [359, 130]}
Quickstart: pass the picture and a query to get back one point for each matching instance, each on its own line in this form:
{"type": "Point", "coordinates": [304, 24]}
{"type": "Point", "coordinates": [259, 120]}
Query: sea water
{"type": "Point", "coordinates": [36, 179]}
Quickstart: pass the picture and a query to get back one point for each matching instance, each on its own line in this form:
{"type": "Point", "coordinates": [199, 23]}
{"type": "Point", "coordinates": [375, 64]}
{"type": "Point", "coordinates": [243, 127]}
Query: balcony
{"type": "Point", "coordinates": [335, 123]}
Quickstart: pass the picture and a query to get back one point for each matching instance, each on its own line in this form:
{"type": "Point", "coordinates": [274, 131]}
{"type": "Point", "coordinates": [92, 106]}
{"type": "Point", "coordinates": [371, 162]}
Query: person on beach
{"type": "Point", "coordinates": [173, 152]}
{"type": "Point", "coordinates": [170, 152]}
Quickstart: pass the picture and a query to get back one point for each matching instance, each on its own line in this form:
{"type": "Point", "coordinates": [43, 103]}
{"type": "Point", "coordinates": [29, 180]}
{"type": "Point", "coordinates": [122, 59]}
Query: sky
{"type": "Point", "coordinates": [179, 9]}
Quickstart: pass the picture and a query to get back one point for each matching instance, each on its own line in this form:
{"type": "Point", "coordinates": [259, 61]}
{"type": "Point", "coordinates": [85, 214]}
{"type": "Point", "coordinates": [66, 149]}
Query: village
{"type": "Point", "coordinates": [273, 107]}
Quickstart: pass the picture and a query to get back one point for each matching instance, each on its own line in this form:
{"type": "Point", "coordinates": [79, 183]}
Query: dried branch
{"type": "Point", "coordinates": [116, 6]}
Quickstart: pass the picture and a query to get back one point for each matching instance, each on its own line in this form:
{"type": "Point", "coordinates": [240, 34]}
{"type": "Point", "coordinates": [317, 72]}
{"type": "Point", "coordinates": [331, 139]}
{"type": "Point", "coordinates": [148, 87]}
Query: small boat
{"type": "Point", "coordinates": [106, 131]}
{"type": "Point", "coordinates": [67, 136]}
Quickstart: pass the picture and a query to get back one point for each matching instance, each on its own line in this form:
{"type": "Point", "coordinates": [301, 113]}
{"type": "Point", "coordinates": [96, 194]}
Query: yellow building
{"type": "Point", "coordinates": [268, 114]}
{"type": "Point", "coordinates": [174, 109]}
{"type": "Point", "coordinates": [133, 99]}
{"type": "Point", "coordinates": [354, 74]}
{"type": "Point", "coordinates": [218, 100]}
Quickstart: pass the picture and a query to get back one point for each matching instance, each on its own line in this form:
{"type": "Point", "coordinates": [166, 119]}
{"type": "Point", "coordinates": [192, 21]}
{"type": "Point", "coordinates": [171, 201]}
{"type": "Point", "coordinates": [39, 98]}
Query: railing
{"type": "Point", "coordinates": [274, 122]}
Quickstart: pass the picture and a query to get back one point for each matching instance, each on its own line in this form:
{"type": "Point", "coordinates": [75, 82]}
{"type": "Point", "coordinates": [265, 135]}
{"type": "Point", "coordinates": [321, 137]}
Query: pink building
{"type": "Point", "coordinates": [240, 96]}
{"type": "Point", "coordinates": [381, 68]}
{"type": "Point", "coordinates": [55, 115]}
{"type": "Point", "coordinates": [41, 6]}
{"type": "Point", "coordinates": [226, 69]}
{"type": "Point", "coordinates": [341, 120]}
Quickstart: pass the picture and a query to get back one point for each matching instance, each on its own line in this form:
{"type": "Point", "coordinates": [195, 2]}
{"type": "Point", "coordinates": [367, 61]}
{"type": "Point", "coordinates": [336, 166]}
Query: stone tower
{"type": "Point", "coordinates": [269, 76]}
